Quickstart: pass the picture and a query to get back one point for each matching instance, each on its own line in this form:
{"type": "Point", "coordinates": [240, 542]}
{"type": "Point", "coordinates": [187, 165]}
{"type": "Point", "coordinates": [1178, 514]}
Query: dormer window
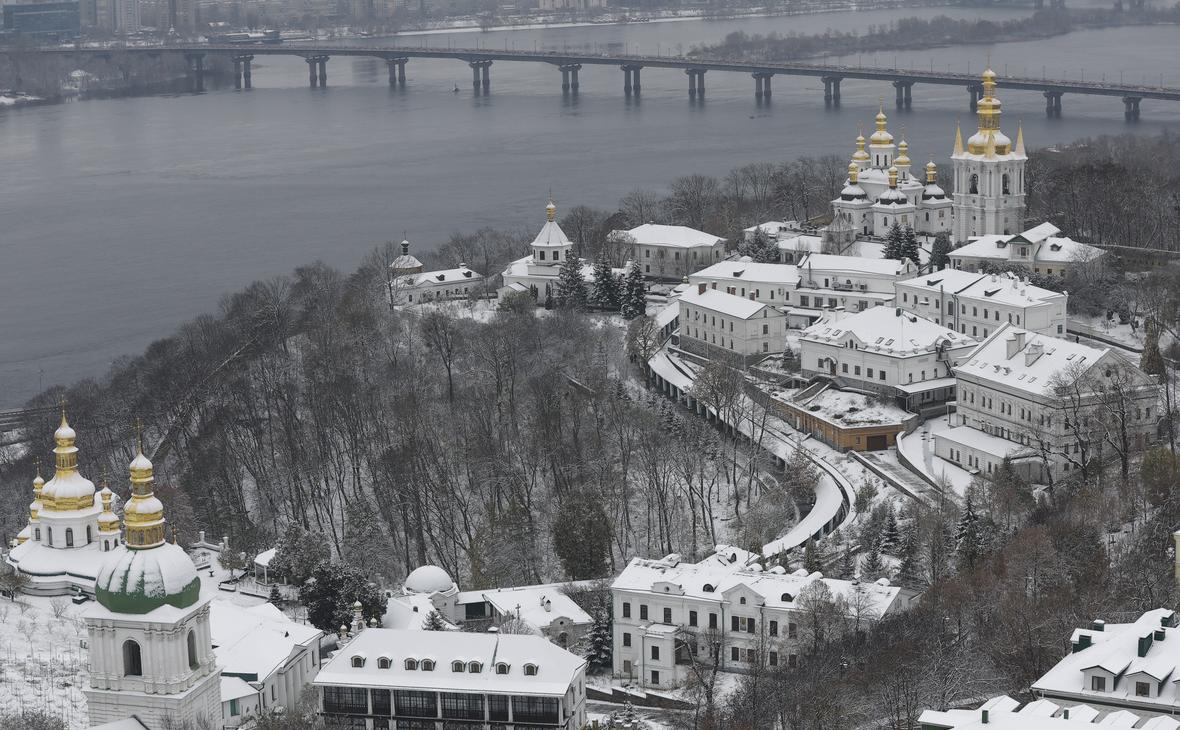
{"type": "Point", "coordinates": [411, 665]}
{"type": "Point", "coordinates": [530, 670]}
{"type": "Point", "coordinates": [474, 667]}
{"type": "Point", "coordinates": [501, 668]}
{"type": "Point", "coordinates": [384, 663]}
{"type": "Point", "coordinates": [426, 665]}
{"type": "Point", "coordinates": [708, 588]}
{"type": "Point", "coordinates": [787, 598]}
{"type": "Point", "coordinates": [358, 662]}
{"type": "Point", "coordinates": [457, 666]}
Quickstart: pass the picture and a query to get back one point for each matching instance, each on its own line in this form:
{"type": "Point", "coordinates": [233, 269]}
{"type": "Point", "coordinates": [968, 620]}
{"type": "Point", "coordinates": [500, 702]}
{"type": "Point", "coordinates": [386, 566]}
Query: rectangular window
{"type": "Point", "coordinates": [381, 701]}
{"type": "Point", "coordinates": [626, 609]}
{"type": "Point", "coordinates": [643, 612]}
{"type": "Point", "coordinates": [1098, 684]}
{"type": "Point", "coordinates": [233, 708]}
{"type": "Point", "coordinates": [346, 700]}
{"type": "Point", "coordinates": [773, 657]}
{"type": "Point", "coordinates": [667, 615]}
{"type": "Point", "coordinates": [626, 639]}
{"type": "Point", "coordinates": [792, 631]}
{"type": "Point", "coordinates": [541, 710]}
{"type": "Point", "coordinates": [774, 628]}
{"type": "Point", "coordinates": [1142, 689]}
{"type": "Point", "coordinates": [655, 652]}
{"type": "Point", "coordinates": [692, 618]}
{"type": "Point", "coordinates": [734, 653]}
{"type": "Point", "coordinates": [413, 703]}
{"type": "Point", "coordinates": [712, 620]}
{"type": "Point", "coordinates": [498, 704]}
{"type": "Point", "coordinates": [733, 623]}
{"type": "Point", "coordinates": [461, 705]}
{"type": "Point", "coordinates": [655, 678]}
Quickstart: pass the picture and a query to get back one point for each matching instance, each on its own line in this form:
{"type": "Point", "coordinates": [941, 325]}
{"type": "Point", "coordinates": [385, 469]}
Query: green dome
{"type": "Point", "coordinates": [140, 581]}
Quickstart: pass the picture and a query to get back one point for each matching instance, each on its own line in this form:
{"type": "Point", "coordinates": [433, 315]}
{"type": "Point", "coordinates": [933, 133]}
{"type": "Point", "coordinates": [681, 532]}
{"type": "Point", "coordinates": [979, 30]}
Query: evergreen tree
{"type": "Point", "coordinates": [894, 241]}
{"type": "Point", "coordinates": [330, 592]}
{"type": "Point", "coordinates": [549, 303]}
{"type": "Point", "coordinates": [760, 248]}
{"type": "Point", "coordinates": [909, 571]}
{"type": "Point", "coordinates": [607, 293]}
{"type": "Point", "coordinates": [434, 621]}
{"type": "Point", "coordinates": [297, 554]}
{"type": "Point", "coordinates": [1152, 361]}
{"type": "Point", "coordinates": [846, 568]}
{"type": "Point", "coordinates": [634, 293]}
{"type": "Point", "coordinates": [940, 251]}
{"type": "Point", "coordinates": [275, 598]}
{"type": "Point", "coordinates": [571, 287]}
{"type": "Point", "coordinates": [811, 559]}
{"type": "Point", "coordinates": [581, 536]}
{"type": "Point", "coordinates": [909, 246]}
{"type": "Point", "coordinates": [890, 534]}
{"type": "Point", "coordinates": [872, 568]}
{"type": "Point", "coordinates": [598, 645]}
{"type": "Point", "coordinates": [967, 538]}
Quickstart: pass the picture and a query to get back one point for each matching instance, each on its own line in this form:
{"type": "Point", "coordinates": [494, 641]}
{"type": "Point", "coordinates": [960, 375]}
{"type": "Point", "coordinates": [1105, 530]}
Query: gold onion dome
{"type": "Point", "coordinates": [143, 515]}
{"type": "Point", "coordinates": [550, 212]}
{"type": "Point", "coordinates": [853, 190]}
{"type": "Point", "coordinates": [108, 521]}
{"type": "Point", "coordinates": [36, 505]}
{"type": "Point", "coordinates": [882, 135]}
{"type": "Point", "coordinates": [989, 139]}
{"type": "Point", "coordinates": [67, 490]}
{"type": "Point", "coordinates": [903, 156]}
{"type": "Point", "coordinates": [860, 155]}
{"type": "Point", "coordinates": [932, 191]}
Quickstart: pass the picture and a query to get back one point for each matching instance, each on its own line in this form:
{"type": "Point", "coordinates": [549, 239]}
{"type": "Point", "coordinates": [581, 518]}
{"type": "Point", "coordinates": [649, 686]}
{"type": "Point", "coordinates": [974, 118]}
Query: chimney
{"type": "Point", "coordinates": [462, 265]}
{"type": "Point", "coordinates": [751, 296]}
{"type": "Point", "coordinates": [1098, 625]}
{"type": "Point", "coordinates": [1144, 645]}
{"type": "Point", "coordinates": [701, 288]}
{"type": "Point", "coordinates": [1082, 643]}
{"type": "Point", "coordinates": [1065, 714]}
{"type": "Point", "coordinates": [1159, 634]}
{"type": "Point", "coordinates": [1015, 344]}
{"type": "Point", "coordinates": [1034, 351]}
{"type": "Point", "coordinates": [985, 717]}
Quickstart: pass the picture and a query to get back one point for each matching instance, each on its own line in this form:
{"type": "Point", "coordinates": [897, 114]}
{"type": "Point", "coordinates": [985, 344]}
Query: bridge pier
{"type": "Point", "coordinates": [974, 94]}
{"type": "Point", "coordinates": [762, 85]}
{"type": "Point", "coordinates": [397, 71]}
{"type": "Point", "coordinates": [481, 75]}
{"type": "Point", "coordinates": [237, 73]}
{"type": "Point", "coordinates": [904, 98]}
{"type": "Point", "coordinates": [242, 71]}
{"type": "Point", "coordinates": [630, 78]}
{"type": "Point", "coordinates": [696, 82]}
{"type": "Point", "coordinates": [569, 77]}
{"type": "Point", "coordinates": [323, 72]}
{"type": "Point", "coordinates": [317, 71]}
{"type": "Point", "coordinates": [312, 79]}
{"type": "Point", "coordinates": [247, 76]}
{"type": "Point", "coordinates": [831, 90]}
{"type": "Point", "coordinates": [1131, 108]}
{"type": "Point", "coordinates": [1053, 104]}
{"type": "Point", "coordinates": [196, 69]}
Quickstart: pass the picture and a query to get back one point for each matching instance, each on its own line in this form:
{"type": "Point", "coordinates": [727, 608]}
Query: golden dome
{"type": "Point", "coordinates": [853, 172]}
{"type": "Point", "coordinates": [107, 520]}
{"type": "Point", "coordinates": [550, 212]}
{"type": "Point", "coordinates": [931, 172]}
{"type": "Point", "coordinates": [35, 505]}
{"type": "Point", "coordinates": [860, 155]}
{"type": "Point", "coordinates": [67, 490]}
{"type": "Point", "coordinates": [903, 157]}
{"type": "Point", "coordinates": [143, 515]}
{"type": "Point", "coordinates": [882, 135]}
{"type": "Point", "coordinates": [892, 176]}
{"type": "Point", "coordinates": [989, 139]}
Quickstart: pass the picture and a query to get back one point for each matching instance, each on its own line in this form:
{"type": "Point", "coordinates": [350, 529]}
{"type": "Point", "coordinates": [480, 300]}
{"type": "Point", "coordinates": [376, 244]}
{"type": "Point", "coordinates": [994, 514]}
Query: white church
{"type": "Point", "coordinates": [989, 183]}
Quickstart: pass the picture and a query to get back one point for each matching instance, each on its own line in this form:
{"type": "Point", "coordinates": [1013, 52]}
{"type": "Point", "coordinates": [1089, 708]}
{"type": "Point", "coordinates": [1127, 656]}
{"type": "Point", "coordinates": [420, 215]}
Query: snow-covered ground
{"type": "Point", "coordinates": [918, 448]}
{"type": "Point", "coordinates": [1109, 330]}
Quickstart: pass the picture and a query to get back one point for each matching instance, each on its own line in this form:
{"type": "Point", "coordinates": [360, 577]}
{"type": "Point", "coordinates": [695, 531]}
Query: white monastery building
{"type": "Point", "coordinates": [71, 527]}
{"type": "Point", "coordinates": [409, 284]}
{"type": "Point", "coordinates": [769, 283]}
{"type": "Point", "coordinates": [977, 304]}
{"type": "Point", "coordinates": [1120, 667]}
{"type": "Point", "coordinates": [1039, 249]}
{"type": "Point", "coordinates": [151, 651]}
{"type": "Point", "coordinates": [1037, 400]}
{"type": "Point", "coordinates": [827, 281]}
{"type": "Point", "coordinates": [886, 350]}
{"type": "Point", "coordinates": [1005, 713]}
{"type": "Point", "coordinates": [671, 252]}
{"type": "Point", "coordinates": [723, 326]}
{"type": "Point", "coordinates": [386, 678]}
{"type": "Point", "coordinates": [667, 612]}
{"type": "Point", "coordinates": [538, 272]}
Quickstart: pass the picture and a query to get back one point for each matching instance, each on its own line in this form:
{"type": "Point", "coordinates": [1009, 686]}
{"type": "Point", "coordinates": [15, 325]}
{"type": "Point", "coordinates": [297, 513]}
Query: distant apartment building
{"type": "Point", "coordinates": [977, 304]}
{"type": "Point", "coordinates": [43, 19]}
{"type": "Point", "coordinates": [726, 327]}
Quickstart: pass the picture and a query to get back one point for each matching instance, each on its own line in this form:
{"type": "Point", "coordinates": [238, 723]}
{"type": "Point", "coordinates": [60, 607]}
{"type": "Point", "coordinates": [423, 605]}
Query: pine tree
{"type": "Point", "coordinates": [967, 541]}
{"type": "Point", "coordinates": [909, 571]}
{"type": "Point", "coordinates": [1152, 361]}
{"type": "Point", "coordinates": [760, 248]}
{"type": "Point", "coordinates": [890, 535]}
{"type": "Point", "coordinates": [811, 559]}
{"type": "Point", "coordinates": [598, 645]}
{"type": "Point", "coordinates": [275, 598]}
{"type": "Point", "coordinates": [872, 568]}
{"type": "Point", "coordinates": [571, 287]}
{"type": "Point", "coordinates": [582, 536]}
{"type": "Point", "coordinates": [434, 621]}
{"type": "Point", "coordinates": [330, 592]}
{"type": "Point", "coordinates": [940, 251]}
{"type": "Point", "coordinates": [909, 246]}
{"type": "Point", "coordinates": [846, 568]}
{"type": "Point", "coordinates": [634, 293]}
{"type": "Point", "coordinates": [607, 292]}
{"type": "Point", "coordinates": [894, 241]}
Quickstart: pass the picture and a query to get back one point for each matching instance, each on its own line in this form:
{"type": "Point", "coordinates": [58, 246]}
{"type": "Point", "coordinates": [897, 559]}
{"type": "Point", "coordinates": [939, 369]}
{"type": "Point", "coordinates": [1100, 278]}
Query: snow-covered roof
{"type": "Point", "coordinates": [1005, 713]}
{"type": "Point", "coordinates": [981, 441]}
{"type": "Point", "coordinates": [551, 235]}
{"type": "Point", "coordinates": [409, 611]}
{"type": "Point", "coordinates": [556, 668]}
{"type": "Point", "coordinates": [852, 410]}
{"type": "Point", "coordinates": [802, 242]}
{"type": "Point", "coordinates": [774, 228]}
{"type": "Point", "coordinates": [129, 723]}
{"type": "Point", "coordinates": [538, 606]}
{"type": "Point", "coordinates": [262, 560]}
{"type": "Point", "coordinates": [718, 301]}
{"type": "Point", "coordinates": [665, 316]}
{"type": "Point", "coordinates": [1047, 246]}
{"type": "Point", "coordinates": [428, 579]}
{"type": "Point", "coordinates": [235, 688]}
{"type": "Point", "coordinates": [1027, 361]}
{"type": "Point", "coordinates": [730, 556]}
{"type": "Point", "coordinates": [443, 276]}
{"type": "Point", "coordinates": [886, 330]}
{"type": "Point", "coordinates": [255, 641]}
{"type": "Point", "coordinates": [39, 561]}
{"type": "Point", "coordinates": [656, 234]}
{"type": "Point", "coordinates": [1149, 647]}
{"type": "Point", "coordinates": [746, 270]}
{"type": "Point", "coordinates": [831, 263]}
{"type": "Point", "coordinates": [1006, 288]}
{"type": "Point", "coordinates": [711, 582]}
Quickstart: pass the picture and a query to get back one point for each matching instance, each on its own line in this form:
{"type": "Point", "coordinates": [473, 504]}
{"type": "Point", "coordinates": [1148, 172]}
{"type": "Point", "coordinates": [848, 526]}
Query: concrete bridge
{"type": "Point", "coordinates": [570, 64]}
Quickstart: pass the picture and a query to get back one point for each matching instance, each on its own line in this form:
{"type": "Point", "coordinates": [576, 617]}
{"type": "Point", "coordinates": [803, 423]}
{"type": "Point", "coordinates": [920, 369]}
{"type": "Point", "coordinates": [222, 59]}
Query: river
{"type": "Point", "coordinates": [122, 218]}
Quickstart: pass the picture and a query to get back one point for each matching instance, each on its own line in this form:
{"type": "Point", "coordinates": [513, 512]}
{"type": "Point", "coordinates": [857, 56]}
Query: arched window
{"type": "Point", "coordinates": [193, 661]}
{"type": "Point", "coordinates": [1004, 184]}
{"type": "Point", "coordinates": [474, 667]}
{"type": "Point", "coordinates": [708, 588]}
{"type": "Point", "coordinates": [974, 189]}
{"type": "Point", "coordinates": [69, 537]}
{"type": "Point", "coordinates": [89, 538]}
{"type": "Point", "coordinates": [132, 664]}
{"type": "Point", "coordinates": [358, 661]}
{"type": "Point", "coordinates": [411, 664]}
{"type": "Point", "coordinates": [457, 666]}
{"type": "Point", "coordinates": [742, 600]}
{"type": "Point", "coordinates": [530, 670]}
{"type": "Point", "coordinates": [787, 598]}
{"type": "Point", "coordinates": [501, 668]}
{"type": "Point", "coordinates": [383, 662]}
{"type": "Point", "coordinates": [427, 665]}
{"type": "Point", "coordinates": [563, 640]}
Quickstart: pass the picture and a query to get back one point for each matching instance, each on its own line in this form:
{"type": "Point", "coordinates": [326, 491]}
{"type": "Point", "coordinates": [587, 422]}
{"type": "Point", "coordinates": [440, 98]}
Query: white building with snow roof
{"type": "Point", "coordinates": [769, 283]}
{"type": "Point", "coordinates": [671, 252]}
{"type": "Point", "coordinates": [666, 612]}
{"type": "Point", "coordinates": [853, 283]}
{"type": "Point", "coordinates": [1038, 401]}
{"type": "Point", "coordinates": [1132, 666]}
{"type": "Point", "coordinates": [1005, 713]}
{"type": "Point", "coordinates": [885, 350]}
{"type": "Point", "coordinates": [386, 678]}
{"type": "Point", "coordinates": [1041, 250]}
{"type": "Point", "coordinates": [730, 328]}
{"type": "Point", "coordinates": [977, 304]}
{"type": "Point", "coordinates": [409, 283]}
{"type": "Point", "coordinates": [546, 609]}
